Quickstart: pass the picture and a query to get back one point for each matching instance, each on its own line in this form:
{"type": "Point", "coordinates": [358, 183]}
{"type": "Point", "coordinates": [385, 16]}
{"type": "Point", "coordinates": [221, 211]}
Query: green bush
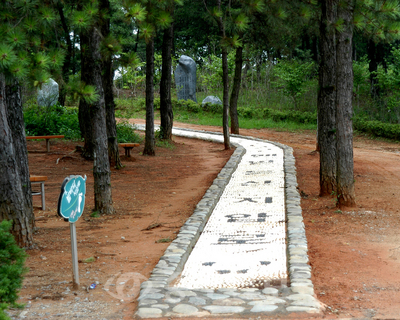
{"type": "Point", "coordinates": [377, 128]}
{"type": "Point", "coordinates": [294, 116]}
{"type": "Point", "coordinates": [12, 269]}
{"type": "Point", "coordinates": [247, 112]}
{"type": "Point", "coordinates": [126, 133]}
{"type": "Point", "coordinates": [213, 108]}
{"type": "Point", "coordinates": [54, 120]}
{"type": "Point", "coordinates": [186, 105]}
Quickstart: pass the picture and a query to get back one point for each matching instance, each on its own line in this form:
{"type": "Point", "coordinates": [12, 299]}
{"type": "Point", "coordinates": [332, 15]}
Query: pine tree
{"type": "Point", "coordinates": [335, 133]}
{"type": "Point", "coordinates": [88, 20]}
{"type": "Point", "coordinates": [150, 15]}
{"type": "Point", "coordinates": [25, 55]}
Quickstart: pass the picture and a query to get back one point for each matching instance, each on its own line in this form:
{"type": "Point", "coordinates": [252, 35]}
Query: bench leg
{"type": "Point", "coordinates": [42, 194]}
{"type": "Point", "coordinates": [48, 145]}
{"type": "Point", "coordinates": [128, 151]}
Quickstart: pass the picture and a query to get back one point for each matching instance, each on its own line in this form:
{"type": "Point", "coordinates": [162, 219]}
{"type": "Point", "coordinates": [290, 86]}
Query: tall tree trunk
{"type": "Point", "coordinates": [344, 107]}
{"type": "Point", "coordinates": [15, 118]}
{"type": "Point", "coordinates": [225, 81]}
{"type": "Point", "coordinates": [166, 113]}
{"type": "Point", "coordinates": [85, 122]}
{"type": "Point", "coordinates": [68, 57]}
{"type": "Point", "coordinates": [108, 75]}
{"type": "Point", "coordinates": [101, 165]}
{"type": "Point", "coordinates": [149, 141]}
{"type": "Point", "coordinates": [15, 204]}
{"type": "Point", "coordinates": [327, 98]}
{"type": "Point", "coordinates": [236, 90]}
{"type": "Point", "coordinates": [373, 67]}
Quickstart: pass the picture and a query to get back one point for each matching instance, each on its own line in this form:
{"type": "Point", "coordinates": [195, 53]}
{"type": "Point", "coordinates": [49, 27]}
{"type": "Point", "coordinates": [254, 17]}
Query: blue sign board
{"type": "Point", "coordinates": [72, 198]}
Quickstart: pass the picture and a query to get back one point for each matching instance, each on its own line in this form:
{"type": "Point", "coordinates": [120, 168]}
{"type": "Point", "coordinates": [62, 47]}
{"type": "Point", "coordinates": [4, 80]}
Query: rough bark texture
{"type": "Point", "coordinates": [85, 123]}
{"type": "Point", "coordinates": [108, 75]}
{"type": "Point", "coordinates": [15, 118]}
{"type": "Point", "coordinates": [166, 113]}
{"type": "Point", "coordinates": [225, 81]}
{"type": "Point", "coordinates": [236, 90]}
{"type": "Point", "coordinates": [149, 141]}
{"type": "Point", "coordinates": [344, 108]}
{"type": "Point", "coordinates": [327, 99]}
{"type": "Point", "coordinates": [101, 165]}
{"type": "Point", "coordinates": [14, 204]}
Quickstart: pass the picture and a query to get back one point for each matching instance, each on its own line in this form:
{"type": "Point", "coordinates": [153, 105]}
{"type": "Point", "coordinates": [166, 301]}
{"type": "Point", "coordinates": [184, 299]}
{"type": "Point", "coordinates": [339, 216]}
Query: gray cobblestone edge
{"type": "Point", "coordinates": [158, 299]}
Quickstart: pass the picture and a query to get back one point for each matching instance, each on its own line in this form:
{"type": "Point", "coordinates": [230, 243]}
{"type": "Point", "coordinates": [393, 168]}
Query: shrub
{"type": "Point", "coordinates": [52, 120]}
{"type": "Point", "coordinates": [377, 128]}
{"type": "Point", "coordinates": [213, 108]}
{"type": "Point", "coordinates": [12, 269]}
{"type": "Point", "coordinates": [126, 133]}
{"type": "Point", "coordinates": [247, 112]}
{"type": "Point", "coordinates": [294, 116]}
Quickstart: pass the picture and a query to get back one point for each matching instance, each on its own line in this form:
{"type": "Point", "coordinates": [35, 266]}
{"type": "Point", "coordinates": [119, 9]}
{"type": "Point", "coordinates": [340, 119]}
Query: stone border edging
{"type": "Point", "coordinates": [299, 297]}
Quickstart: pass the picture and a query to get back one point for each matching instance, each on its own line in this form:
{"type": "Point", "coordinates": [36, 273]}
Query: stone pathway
{"type": "Point", "coordinates": [244, 249]}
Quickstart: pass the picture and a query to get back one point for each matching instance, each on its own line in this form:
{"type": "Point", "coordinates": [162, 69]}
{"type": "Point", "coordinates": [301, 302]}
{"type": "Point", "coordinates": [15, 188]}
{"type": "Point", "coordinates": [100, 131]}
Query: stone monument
{"type": "Point", "coordinates": [185, 78]}
{"type": "Point", "coordinates": [48, 95]}
{"type": "Point", "coordinates": [212, 100]}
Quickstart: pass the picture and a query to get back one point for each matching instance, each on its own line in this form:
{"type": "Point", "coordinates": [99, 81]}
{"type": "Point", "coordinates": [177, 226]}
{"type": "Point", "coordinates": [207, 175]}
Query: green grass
{"type": "Point", "coordinates": [216, 120]}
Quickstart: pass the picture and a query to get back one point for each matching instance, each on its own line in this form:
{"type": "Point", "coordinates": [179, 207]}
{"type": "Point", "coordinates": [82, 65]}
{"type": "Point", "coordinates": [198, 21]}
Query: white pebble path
{"type": "Point", "coordinates": [243, 262]}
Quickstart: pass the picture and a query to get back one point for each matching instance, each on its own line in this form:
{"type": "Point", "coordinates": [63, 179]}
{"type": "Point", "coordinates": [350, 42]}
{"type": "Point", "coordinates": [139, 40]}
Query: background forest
{"type": "Point", "coordinates": [279, 71]}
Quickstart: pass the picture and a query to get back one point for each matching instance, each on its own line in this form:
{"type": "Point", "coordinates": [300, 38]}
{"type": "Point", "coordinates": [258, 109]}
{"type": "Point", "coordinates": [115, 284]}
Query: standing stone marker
{"type": "Point", "coordinates": [48, 95]}
{"type": "Point", "coordinates": [185, 78]}
{"type": "Point", "coordinates": [212, 100]}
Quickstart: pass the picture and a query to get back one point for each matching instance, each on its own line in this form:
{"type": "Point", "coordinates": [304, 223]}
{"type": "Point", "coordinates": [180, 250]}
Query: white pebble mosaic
{"type": "Point", "coordinates": [244, 241]}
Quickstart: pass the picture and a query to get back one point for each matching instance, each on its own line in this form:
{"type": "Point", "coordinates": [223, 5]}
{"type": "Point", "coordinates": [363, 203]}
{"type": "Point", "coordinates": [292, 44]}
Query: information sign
{"type": "Point", "coordinates": [72, 198]}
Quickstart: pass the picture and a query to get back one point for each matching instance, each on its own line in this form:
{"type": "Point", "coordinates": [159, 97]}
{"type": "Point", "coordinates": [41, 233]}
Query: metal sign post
{"type": "Point", "coordinates": [70, 206]}
{"type": "Point", "coordinates": [74, 252]}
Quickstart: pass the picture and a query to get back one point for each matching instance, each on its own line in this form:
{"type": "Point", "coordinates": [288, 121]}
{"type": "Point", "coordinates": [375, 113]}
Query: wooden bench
{"type": "Point", "coordinates": [128, 147]}
{"type": "Point", "coordinates": [39, 180]}
{"type": "Point", "coordinates": [44, 137]}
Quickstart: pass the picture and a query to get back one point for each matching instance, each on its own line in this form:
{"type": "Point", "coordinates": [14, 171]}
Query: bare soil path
{"type": "Point", "coordinates": [354, 253]}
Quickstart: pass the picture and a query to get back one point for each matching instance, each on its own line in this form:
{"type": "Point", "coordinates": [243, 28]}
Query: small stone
{"type": "Point", "coordinates": [182, 294]}
{"type": "Point", "coordinates": [146, 302]}
{"type": "Point", "coordinates": [270, 300]}
{"type": "Point", "coordinates": [185, 309]}
{"type": "Point", "coordinates": [302, 290]}
{"type": "Point", "coordinates": [160, 306]}
{"type": "Point", "coordinates": [224, 309]}
{"type": "Point", "coordinates": [215, 296]}
{"type": "Point", "coordinates": [301, 309]}
{"type": "Point", "coordinates": [271, 291]}
{"type": "Point", "coordinates": [228, 302]}
{"type": "Point", "coordinates": [172, 300]}
{"type": "Point", "coordinates": [151, 296]}
{"type": "Point", "coordinates": [149, 312]}
{"type": "Point", "coordinates": [251, 296]}
{"type": "Point", "coordinates": [264, 308]}
{"type": "Point", "coordinates": [197, 301]}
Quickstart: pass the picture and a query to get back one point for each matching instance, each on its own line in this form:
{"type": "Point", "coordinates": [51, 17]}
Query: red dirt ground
{"type": "Point", "coordinates": [354, 253]}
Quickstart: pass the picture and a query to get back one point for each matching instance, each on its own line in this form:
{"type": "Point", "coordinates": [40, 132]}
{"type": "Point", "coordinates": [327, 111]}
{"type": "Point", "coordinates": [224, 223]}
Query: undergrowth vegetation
{"type": "Point", "coordinates": [12, 268]}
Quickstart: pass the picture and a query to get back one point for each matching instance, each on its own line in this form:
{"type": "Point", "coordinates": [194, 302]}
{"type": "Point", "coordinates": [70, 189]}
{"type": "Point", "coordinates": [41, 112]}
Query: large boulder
{"type": "Point", "coordinates": [48, 95]}
{"type": "Point", "coordinates": [212, 100]}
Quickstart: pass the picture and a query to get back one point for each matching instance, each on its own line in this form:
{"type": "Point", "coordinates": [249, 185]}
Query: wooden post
{"type": "Point", "coordinates": [74, 252]}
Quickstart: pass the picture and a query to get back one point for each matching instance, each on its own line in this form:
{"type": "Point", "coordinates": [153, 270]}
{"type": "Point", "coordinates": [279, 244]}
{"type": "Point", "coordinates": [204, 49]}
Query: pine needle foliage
{"type": "Point", "coordinates": [150, 15]}
{"type": "Point", "coordinates": [378, 19]}
{"type": "Point", "coordinates": [12, 269]}
{"type": "Point", "coordinates": [25, 30]}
